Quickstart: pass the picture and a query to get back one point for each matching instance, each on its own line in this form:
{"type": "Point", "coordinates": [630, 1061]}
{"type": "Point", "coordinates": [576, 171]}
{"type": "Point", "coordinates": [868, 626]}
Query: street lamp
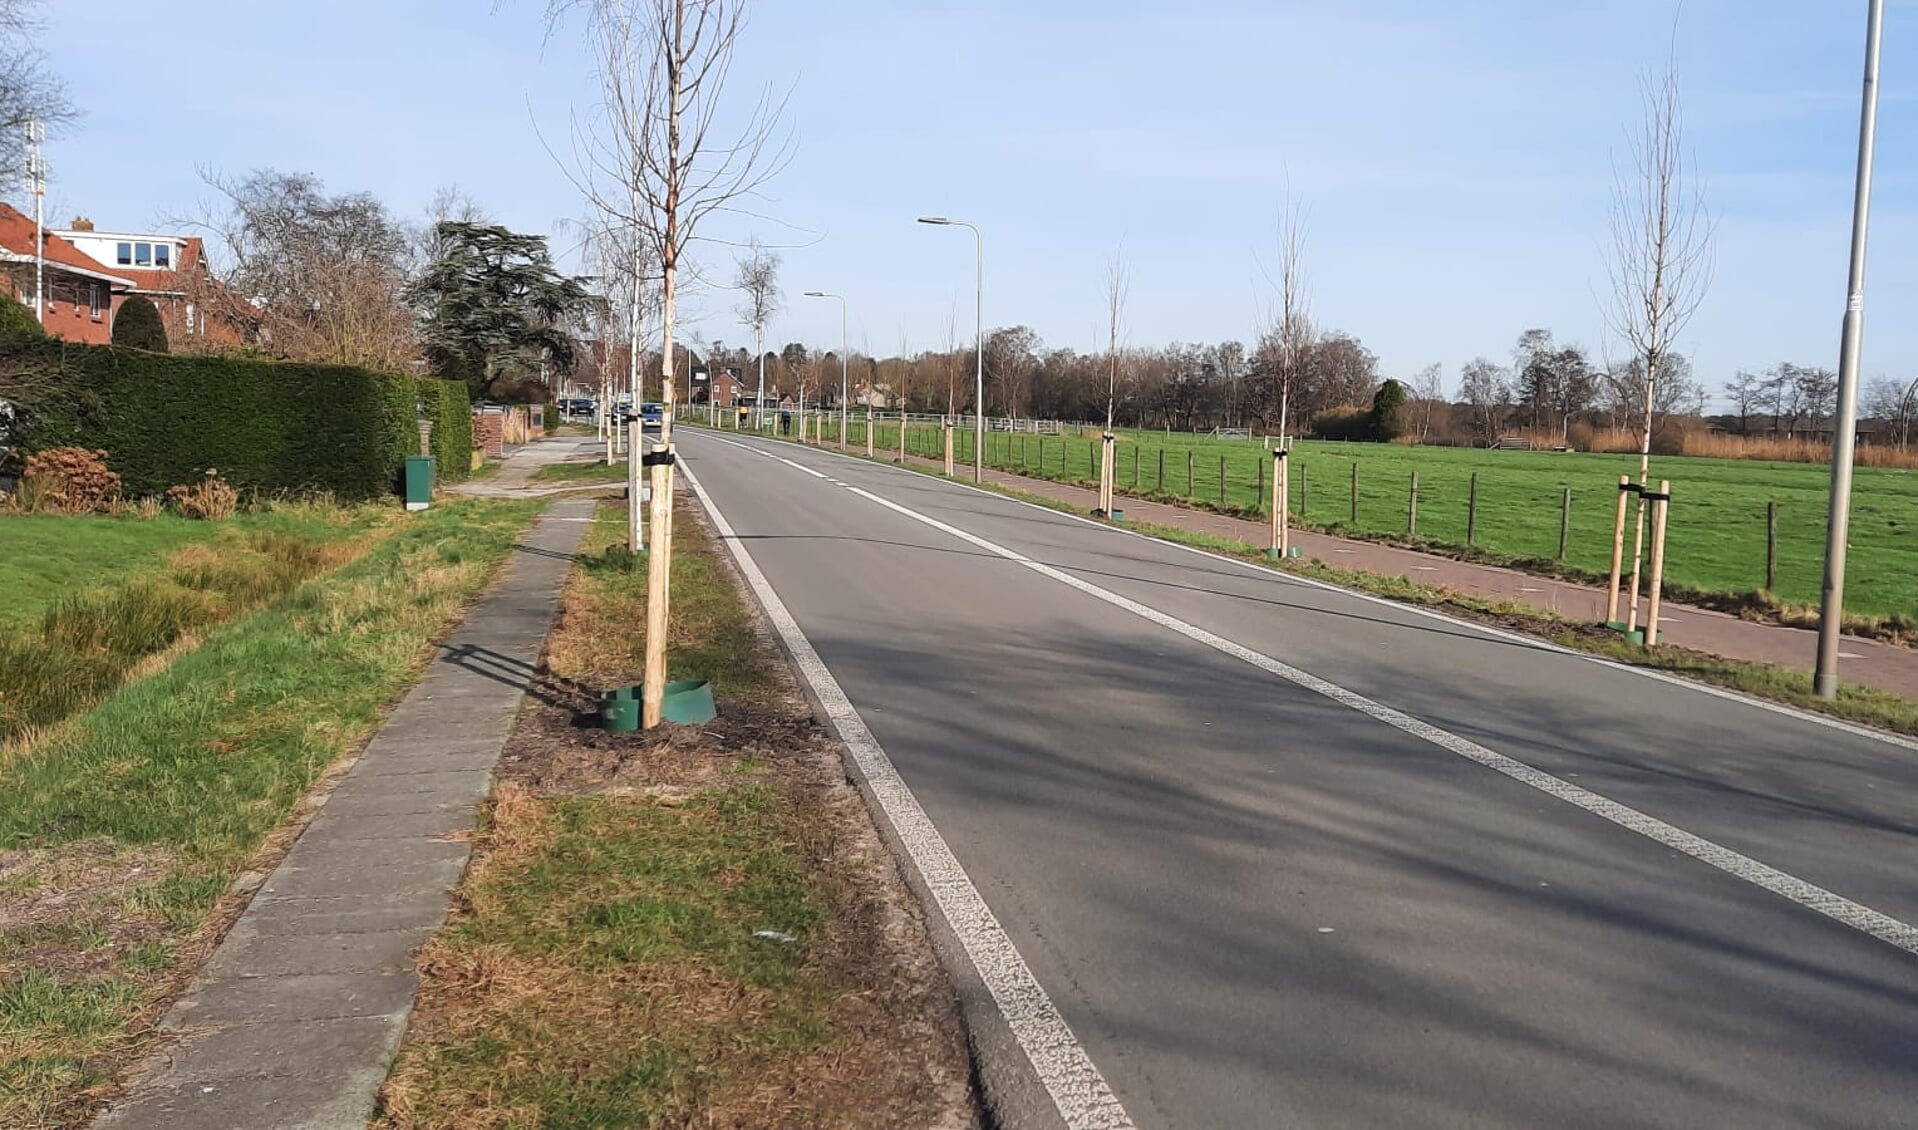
{"type": "Point", "coordinates": [842, 361]}
{"type": "Point", "coordinates": [1844, 428]}
{"type": "Point", "coordinates": [979, 393]}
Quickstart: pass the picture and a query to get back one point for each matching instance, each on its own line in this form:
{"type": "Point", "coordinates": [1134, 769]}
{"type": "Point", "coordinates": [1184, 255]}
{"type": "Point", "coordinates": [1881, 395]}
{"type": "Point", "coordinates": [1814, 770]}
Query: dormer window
{"type": "Point", "coordinates": [162, 255]}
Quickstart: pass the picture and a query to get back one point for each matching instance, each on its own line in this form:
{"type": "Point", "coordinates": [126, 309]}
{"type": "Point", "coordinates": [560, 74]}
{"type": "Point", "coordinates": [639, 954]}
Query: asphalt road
{"type": "Point", "coordinates": [1260, 900]}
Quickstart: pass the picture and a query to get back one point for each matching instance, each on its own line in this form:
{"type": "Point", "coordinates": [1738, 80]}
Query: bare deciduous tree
{"type": "Point", "coordinates": [1428, 391]}
{"type": "Point", "coordinates": [663, 67]}
{"type": "Point", "coordinates": [1660, 264]}
{"type": "Point", "coordinates": [313, 277]}
{"type": "Point", "coordinates": [757, 280]}
{"type": "Point", "coordinates": [28, 91]}
{"type": "Point", "coordinates": [1287, 332]}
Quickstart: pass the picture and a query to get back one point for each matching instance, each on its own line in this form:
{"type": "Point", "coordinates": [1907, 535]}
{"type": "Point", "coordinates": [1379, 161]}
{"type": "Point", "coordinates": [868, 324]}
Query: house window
{"type": "Point", "coordinates": [143, 254]}
{"type": "Point", "coordinates": [189, 319]}
{"type": "Point", "coordinates": [162, 255]}
{"type": "Point", "coordinates": [123, 254]}
{"type": "Point", "coordinates": [93, 298]}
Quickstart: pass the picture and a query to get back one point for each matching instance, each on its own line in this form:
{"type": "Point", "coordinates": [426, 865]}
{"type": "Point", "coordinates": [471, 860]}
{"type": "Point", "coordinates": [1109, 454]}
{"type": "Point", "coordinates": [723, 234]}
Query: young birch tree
{"type": "Point", "coordinates": [663, 67]}
{"type": "Point", "coordinates": [1288, 323]}
{"type": "Point", "coordinates": [1661, 261]}
{"type": "Point", "coordinates": [757, 280]}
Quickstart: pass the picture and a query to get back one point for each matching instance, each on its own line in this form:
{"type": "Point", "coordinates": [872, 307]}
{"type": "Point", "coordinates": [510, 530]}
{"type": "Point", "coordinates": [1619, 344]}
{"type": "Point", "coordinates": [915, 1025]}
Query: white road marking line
{"type": "Point", "coordinates": [1077, 1088]}
{"type": "Point", "coordinates": [1859, 917]}
{"type": "Point", "coordinates": [1825, 720]}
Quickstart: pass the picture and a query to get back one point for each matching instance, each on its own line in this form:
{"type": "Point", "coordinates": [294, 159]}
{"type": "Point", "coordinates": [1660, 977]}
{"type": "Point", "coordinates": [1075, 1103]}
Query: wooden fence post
{"type": "Point", "coordinates": [1355, 494]}
{"type": "Point", "coordinates": [1471, 512]}
{"type": "Point", "coordinates": [1618, 550]}
{"type": "Point", "coordinates": [1663, 501]}
{"type": "Point", "coordinates": [1221, 480]}
{"type": "Point", "coordinates": [1771, 547]}
{"type": "Point", "coordinates": [1412, 507]}
{"type": "Point", "coordinates": [1305, 491]}
{"type": "Point", "coordinates": [1188, 472]}
{"type": "Point", "coordinates": [1564, 521]}
{"type": "Point", "coordinates": [1159, 483]}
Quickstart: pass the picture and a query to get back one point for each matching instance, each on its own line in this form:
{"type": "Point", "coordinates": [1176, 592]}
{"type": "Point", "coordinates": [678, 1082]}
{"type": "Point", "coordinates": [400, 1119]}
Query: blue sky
{"type": "Point", "coordinates": [1454, 160]}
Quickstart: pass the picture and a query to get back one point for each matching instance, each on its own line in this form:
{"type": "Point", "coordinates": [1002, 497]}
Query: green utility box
{"type": "Point", "coordinates": [419, 482]}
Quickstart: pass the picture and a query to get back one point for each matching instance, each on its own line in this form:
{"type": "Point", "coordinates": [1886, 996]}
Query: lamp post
{"type": "Point", "coordinates": [1844, 428]}
{"type": "Point", "coordinates": [979, 392]}
{"type": "Point", "coordinates": [843, 381]}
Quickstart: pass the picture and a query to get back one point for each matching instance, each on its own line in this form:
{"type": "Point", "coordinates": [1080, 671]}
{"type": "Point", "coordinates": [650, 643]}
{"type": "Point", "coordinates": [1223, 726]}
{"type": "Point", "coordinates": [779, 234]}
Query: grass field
{"type": "Point", "coordinates": [121, 830]}
{"type": "Point", "coordinates": [1717, 541]}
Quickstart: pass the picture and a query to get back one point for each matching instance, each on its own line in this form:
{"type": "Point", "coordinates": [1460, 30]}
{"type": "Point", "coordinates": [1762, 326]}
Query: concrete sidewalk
{"type": "Point", "coordinates": [294, 1019]}
{"type": "Point", "coordinates": [1864, 662]}
{"type": "Point", "coordinates": [515, 476]}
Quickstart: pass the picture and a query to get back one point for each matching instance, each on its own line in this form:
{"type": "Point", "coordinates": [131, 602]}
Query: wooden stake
{"type": "Point", "coordinates": [1661, 504]}
{"type": "Point", "coordinates": [1355, 495]}
{"type": "Point", "coordinates": [1277, 504]}
{"type": "Point", "coordinates": [1188, 472]}
{"type": "Point", "coordinates": [1564, 521]}
{"type": "Point", "coordinates": [1412, 507]}
{"type": "Point", "coordinates": [1471, 512]}
{"type": "Point", "coordinates": [949, 451]}
{"type": "Point", "coordinates": [1260, 496]}
{"type": "Point", "coordinates": [869, 433]}
{"type": "Point", "coordinates": [1618, 550]}
{"type": "Point", "coordinates": [1771, 547]}
{"type": "Point", "coordinates": [658, 578]}
{"type": "Point", "coordinates": [902, 438]}
{"type": "Point", "coordinates": [1221, 480]}
{"type": "Point", "coordinates": [1305, 491]}
{"type": "Point", "coordinates": [1159, 483]}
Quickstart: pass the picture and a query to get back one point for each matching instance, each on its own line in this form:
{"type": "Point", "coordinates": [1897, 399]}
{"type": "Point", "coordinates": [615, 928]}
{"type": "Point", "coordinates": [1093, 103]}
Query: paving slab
{"type": "Point", "coordinates": [293, 1020]}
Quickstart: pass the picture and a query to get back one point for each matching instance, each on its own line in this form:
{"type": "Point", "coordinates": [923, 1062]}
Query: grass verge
{"type": "Point", "coordinates": [121, 832]}
{"type": "Point", "coordinates": [693, 927]}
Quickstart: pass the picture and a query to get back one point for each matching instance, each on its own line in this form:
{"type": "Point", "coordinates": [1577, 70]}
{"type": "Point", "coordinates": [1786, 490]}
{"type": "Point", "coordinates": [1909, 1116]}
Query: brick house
{"type": "Point", "coordinates": [82, 294]}
{"type": "Point", "coordinates": [725, 389]}
{"type": "Point", "coordinates": [171, 272]}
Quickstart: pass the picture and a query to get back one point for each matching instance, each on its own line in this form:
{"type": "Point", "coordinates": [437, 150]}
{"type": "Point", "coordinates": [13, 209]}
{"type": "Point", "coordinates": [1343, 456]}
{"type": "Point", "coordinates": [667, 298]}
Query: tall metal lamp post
{"type": "Point", "coordinates": [979, 392]}
{"type": "Point", "coordinates": [843, 383]}
{"type": "Point", "coordinates": [1845, 427]}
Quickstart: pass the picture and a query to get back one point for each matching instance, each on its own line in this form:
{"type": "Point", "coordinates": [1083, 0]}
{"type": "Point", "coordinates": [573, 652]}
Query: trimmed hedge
{"type": "Point", "coordinates": [448, 406]}
{"type": "Point", "coordinates": [164, 419]}
{"type": "Point", "coordinates": [137, 325]}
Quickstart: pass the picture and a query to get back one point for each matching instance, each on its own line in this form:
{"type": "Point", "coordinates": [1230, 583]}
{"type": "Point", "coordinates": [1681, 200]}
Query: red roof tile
{"type": "Point", "coordinates": [16, 235]}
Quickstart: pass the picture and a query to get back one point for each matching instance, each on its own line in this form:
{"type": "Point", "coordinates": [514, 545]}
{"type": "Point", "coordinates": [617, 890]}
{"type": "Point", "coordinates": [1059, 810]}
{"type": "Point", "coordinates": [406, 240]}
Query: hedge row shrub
{"type": "Point", "coordinates": [166, 419]}
{"type": "Point", "coordinates": [447, 405]}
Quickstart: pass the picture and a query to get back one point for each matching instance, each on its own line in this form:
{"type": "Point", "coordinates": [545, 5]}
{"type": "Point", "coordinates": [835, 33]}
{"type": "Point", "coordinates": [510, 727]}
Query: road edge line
{"type": "Point", "coordinates": [1063, 1067]}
